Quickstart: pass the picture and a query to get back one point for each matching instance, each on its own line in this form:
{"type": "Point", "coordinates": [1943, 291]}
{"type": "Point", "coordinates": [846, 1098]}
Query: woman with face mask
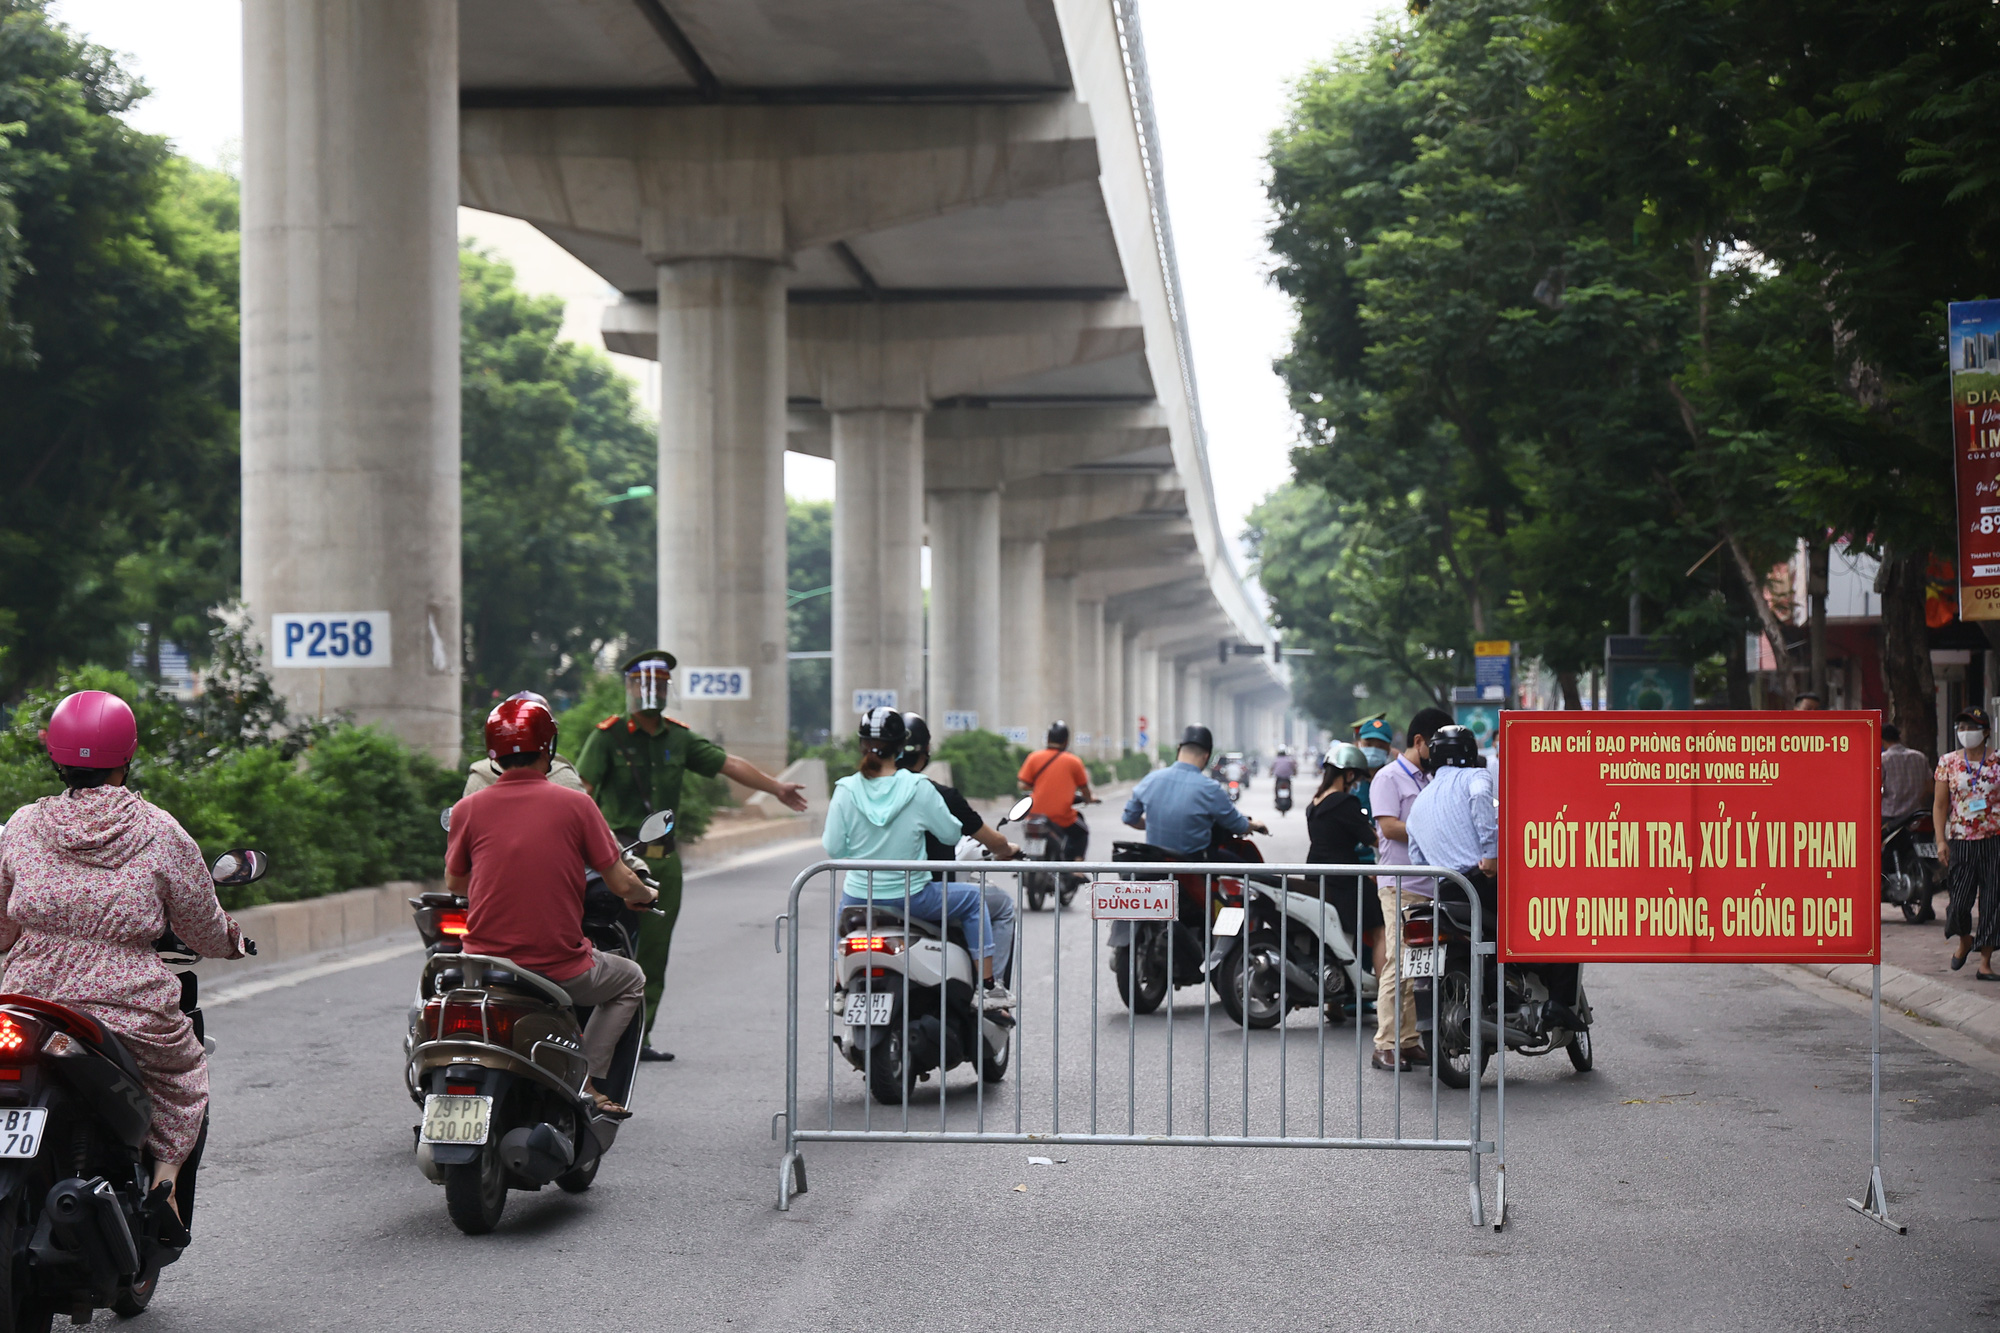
{"type": "Point", "coordinates": [1966, 810]}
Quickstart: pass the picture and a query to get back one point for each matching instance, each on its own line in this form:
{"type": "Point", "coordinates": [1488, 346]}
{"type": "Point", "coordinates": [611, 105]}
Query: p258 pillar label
{"type": "Point", "coordinates": [1690, 837]}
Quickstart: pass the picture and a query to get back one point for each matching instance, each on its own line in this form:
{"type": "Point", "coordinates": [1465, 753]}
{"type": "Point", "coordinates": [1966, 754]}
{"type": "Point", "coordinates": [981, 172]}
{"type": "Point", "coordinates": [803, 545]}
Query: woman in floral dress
{"type": "Point", "coordinates": [1966, 810]}
{"type": "Point", "coordinates": [88, 880]}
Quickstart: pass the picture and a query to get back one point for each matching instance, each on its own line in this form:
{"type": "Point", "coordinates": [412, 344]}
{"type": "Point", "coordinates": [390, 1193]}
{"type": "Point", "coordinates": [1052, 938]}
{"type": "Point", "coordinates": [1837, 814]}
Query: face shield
{"type": "Point", "coordinates": [649, 687]}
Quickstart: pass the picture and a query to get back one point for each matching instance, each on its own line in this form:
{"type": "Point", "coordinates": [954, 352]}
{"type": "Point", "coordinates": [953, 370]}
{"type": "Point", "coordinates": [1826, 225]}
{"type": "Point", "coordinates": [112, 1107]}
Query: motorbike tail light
{"type": "Point", "coordinates": [464, 1020]}
{"type": "Point", "coordinates": [452, 922]}
{"type": "Point", "coordinates": [1924, 825]}
{"type": "Point", "coordinates": [854, 944]}
{"type": "Point", "coordinates": [461, 1089]}
{"type": "Point", "coordinates": [20, 1038]}
{"type": "Point", "coordinates": [1420, 933]}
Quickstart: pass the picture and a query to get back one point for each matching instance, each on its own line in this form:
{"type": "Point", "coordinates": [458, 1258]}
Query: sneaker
{"type": "Point", "coordinates": [996, 996]}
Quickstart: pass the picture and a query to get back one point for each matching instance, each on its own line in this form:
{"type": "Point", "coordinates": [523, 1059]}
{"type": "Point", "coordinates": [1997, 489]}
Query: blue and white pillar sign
{"type": "Point", "coordinates": [330, 639]}
{"type": "Point", "coordinates": [718, 683]}
{"type": "Point", "coordinates": [865, 700]}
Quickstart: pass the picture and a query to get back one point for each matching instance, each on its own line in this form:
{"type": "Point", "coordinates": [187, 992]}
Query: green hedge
{"type": "Point", "coordinates": [354, 807]}
{"type": "Point", "coordinates": [983, 763]}
{"type": "Point", "coordinates": [1133, 766]}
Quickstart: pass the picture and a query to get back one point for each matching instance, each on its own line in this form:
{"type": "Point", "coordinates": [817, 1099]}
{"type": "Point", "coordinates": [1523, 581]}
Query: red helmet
{"type": "Point", "coordinates": [520, 726]}
{"type": "Point", "coordinates": [92, 729]}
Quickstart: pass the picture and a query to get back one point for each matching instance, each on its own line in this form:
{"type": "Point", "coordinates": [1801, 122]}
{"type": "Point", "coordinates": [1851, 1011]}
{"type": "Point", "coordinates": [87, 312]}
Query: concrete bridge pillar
{"type": "Point", "coordinates": [965, 665]}
{"type": "Point", "coordinates": [1060, 651]}
{"type": "Point", "coordinates": [350, 448]}
{"type": "Point", "coordinates": [722, 490]}
{"type": "Point", "coordinates": [878, 537]}
{"type": "Point", "coordinates": [1117, 689]}
{"type": "Point", "coordinates": [1088, 719]}
{"type": "Point", "coordinates": [1022, 635]}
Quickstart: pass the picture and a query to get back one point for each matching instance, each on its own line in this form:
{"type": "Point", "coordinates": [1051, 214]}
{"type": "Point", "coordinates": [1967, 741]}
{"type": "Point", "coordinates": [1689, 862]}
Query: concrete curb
{"type": "Point", "coordinates": [1975, 1016]}
{"type": "Point", "coordinates": [292, 930]}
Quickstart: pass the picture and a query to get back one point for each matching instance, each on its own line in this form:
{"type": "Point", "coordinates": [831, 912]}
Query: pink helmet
{"type": "Point", "coordinates": [92, 729]}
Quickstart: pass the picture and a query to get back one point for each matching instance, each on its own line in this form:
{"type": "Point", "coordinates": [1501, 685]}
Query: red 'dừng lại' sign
{"type": "Point", "coordinates": [1703, 837]}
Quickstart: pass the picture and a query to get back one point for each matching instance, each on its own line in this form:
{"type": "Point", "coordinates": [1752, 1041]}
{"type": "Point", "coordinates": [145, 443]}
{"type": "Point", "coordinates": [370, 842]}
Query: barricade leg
{"type": "Point", "coordinates": [1875, 1205]}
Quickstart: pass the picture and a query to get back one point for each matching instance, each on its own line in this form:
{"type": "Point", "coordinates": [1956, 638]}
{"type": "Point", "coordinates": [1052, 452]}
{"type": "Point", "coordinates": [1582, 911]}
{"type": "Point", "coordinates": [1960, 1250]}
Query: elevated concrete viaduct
{"type": "Point", "coordinates": [927, 242]}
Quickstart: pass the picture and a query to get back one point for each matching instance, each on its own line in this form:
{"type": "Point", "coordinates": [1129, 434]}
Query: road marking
{"type": "Point", "coordinates": [231, 994]}
{"type": "Point", "coordinates": [793, 846]}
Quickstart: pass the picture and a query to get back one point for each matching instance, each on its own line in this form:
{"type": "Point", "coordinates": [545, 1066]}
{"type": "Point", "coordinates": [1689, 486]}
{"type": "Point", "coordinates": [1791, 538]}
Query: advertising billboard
{"type": "Point", "coordinates": [1973, 340]}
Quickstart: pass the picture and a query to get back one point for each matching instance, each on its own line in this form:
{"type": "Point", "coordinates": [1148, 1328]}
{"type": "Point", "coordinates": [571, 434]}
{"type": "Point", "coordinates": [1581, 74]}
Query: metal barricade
{"type": "Point", "coordinates": [1047, 1111]}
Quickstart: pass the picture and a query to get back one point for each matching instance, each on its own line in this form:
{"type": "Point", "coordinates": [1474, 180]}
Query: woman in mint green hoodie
{"type": "Point", "coordinates": [881, 814]}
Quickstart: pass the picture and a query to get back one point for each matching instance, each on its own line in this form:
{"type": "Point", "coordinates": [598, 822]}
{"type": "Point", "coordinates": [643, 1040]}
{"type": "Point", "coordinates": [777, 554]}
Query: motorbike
{"type": "Point", "coordinates": [1043, 839]}
{"type": "Point", "coordinates": [1281, 792]}
{"type": "Point", "coordinates": [495, 1060]}
{"type": "Point", "coordinates": [907, 994]}
{"type": "Point", "coordinates": [1287, 950]}
{"type": "Point", "coordinates": [1437, 956]}
{"type": "Point", "coordinates": [1235, 790]}
{"type": "Point", "coordinates": [81, 1224]}
{"type": "Point", "coordinates": [1140, 950]}
{"type": "Point", "coordinates": [1910, 874]}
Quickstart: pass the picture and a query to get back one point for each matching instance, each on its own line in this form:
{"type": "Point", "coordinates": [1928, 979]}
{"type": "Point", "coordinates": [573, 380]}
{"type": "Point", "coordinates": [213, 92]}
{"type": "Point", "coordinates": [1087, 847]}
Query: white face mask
{"type": "Point", "coordinates": [1971, 740]}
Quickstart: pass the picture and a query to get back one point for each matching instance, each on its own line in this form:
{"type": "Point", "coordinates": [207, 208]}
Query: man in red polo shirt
{"type": "Point", "coordinates": [518, 851]}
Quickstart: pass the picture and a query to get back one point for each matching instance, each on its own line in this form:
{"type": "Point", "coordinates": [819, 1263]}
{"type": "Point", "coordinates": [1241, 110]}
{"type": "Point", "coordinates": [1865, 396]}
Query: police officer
{"type": "Point", "coordinates": [634, 764]}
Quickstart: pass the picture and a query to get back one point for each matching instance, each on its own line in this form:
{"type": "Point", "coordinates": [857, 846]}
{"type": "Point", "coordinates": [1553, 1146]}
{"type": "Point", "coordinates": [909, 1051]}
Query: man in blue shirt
{"type": "Point", "coordinates": [1180, 807]}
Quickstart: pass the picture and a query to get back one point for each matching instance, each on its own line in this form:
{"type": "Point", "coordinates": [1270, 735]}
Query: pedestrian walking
{"type": "Point", "coordinates": [1966, 810]}
{"type": "Point", "coordinates": [1391, 793]}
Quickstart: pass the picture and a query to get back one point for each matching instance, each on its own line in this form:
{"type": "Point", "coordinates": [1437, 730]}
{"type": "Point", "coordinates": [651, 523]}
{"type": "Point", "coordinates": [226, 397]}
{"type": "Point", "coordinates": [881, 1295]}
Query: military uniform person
{"type": "Point", "coordinates": [636, 763]}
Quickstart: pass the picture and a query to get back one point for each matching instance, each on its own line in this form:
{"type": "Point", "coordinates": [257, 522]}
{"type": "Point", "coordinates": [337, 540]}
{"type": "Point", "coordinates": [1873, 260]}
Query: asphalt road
{"type": "Point", "coordinates": [1694, 1181]}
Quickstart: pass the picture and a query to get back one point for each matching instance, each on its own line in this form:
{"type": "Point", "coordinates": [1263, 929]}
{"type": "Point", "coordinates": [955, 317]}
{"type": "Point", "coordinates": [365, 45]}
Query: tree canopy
{"type": "Point", "coordinates": [118, 365]}
{"type": "Point", "coordinates": [1595, 302]}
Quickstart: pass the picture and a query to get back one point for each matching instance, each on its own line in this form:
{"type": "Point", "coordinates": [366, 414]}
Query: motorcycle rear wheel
{"type": "Point", "coordinates": [1450, 1056]}
{"type": "Point", "coordinates": [992, 1066]}
{"type": "Point", "coordinates": [475, 1193]}
{"type": "Point", "coordinates": [134, 1297]}
{"type": "Point", "coordinates": [1579, 1052]}
{"type": "Point", "coordinates": [888, 1078]}
{"type": "Point", "coordinates": [1038, 890]}
{"type": "Point", "coordinates": [1152, 987]}
{"type": "Point", "coordinates": [578, 1179]}
{"type": "Point", "coordinates": [1267, 1004]}
{"type": "Point", "coordinates": [24, 1311]}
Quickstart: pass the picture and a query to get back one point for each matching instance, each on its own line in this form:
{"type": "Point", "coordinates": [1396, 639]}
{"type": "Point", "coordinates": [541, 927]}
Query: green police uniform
{"type": "Point", "coordinates": [632, 774]}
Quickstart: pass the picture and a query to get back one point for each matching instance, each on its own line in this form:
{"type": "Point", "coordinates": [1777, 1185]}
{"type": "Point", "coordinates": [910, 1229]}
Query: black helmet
{"type": "Point", "coordinates": [1058, 732]}
{"type": "Point", "coordinates": [1200, 738]}
{"type": "Point", "coordinates": [916, 739]}
{"type": "Point", "coordinates": [882, 729]}
{"type": "Point", "coordinates": [1455, 747]}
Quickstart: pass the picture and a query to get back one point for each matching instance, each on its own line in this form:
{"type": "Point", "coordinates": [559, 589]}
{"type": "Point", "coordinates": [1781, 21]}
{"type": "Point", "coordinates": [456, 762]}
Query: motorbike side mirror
{"type": "Point", "coordinates": [657, 826]}
{"type": "Point", "coordinates": [1019, 811]}
{"type": "Point", "coordinates": [444, 819]}
{"type": "Point", "coordinates": [241, 866]}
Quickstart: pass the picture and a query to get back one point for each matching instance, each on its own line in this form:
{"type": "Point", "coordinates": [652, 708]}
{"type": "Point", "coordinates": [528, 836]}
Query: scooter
{"type": "Point", "coordinates": [1235, 791]}
{"type": "Point", "coordinates": [1910, 873]}
{"type": "Point", "coordinates": [1282, 794]}
{"type": "Point", "coordinates": [1437, 956]}
{"type": "Point", "coordinates": [1045, 840]}
{"type": "Point", "coordinates": [497, 1064]}
{"type": "Point", "coordinates": [1295, 955]}
{"type": "Point", "coordinates": [907, 996]}
{"type": "Point", "coordinates": [1143, 960]}
{"type": "Point", "coordinates": [81, 1224]}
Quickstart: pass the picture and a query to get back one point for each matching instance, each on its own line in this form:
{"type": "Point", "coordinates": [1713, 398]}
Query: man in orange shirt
{"type": "Point", "coordinates": [1055, 776]}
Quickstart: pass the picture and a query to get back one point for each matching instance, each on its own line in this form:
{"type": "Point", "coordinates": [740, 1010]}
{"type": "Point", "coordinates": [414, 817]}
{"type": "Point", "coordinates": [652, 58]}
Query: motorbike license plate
{"type": "Point", "coordinates": [1421, 963]}
{"type": "Point", "coordinates": [866, 1010]}
{"type": "Point", "coordinates": [456, 1119]}
{"type": "Point", "coordinates": [1926, 848]}
{"type": "Point", "coordinates": [21, 1131]}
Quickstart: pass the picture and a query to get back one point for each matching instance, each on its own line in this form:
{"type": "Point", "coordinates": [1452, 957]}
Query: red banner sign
{"type": "Point", "coordinates": [1690, 837]}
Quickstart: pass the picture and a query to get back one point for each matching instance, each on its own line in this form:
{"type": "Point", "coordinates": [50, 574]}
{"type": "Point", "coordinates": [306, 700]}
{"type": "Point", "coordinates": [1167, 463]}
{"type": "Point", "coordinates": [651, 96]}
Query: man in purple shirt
{"type": "Point", "coordinates": [1391, 794]}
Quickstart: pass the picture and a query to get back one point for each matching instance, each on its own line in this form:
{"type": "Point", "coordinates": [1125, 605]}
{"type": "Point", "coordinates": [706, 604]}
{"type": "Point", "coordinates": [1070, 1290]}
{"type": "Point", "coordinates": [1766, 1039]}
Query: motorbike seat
{"type": "Point", "coordinates": [1459, 914]}
{"type": "Point", "coordinates": [1144, 851]}
{"type": "Point", "coordinates": [486, 970]}
{"type": "Point", "coordinates": [1891, 827]}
